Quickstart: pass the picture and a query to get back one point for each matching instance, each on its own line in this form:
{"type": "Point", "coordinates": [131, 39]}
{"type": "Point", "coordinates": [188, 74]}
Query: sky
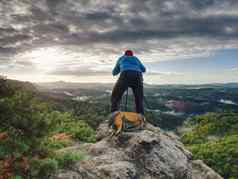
{"type": "Point", "coordinates": [179, 41]}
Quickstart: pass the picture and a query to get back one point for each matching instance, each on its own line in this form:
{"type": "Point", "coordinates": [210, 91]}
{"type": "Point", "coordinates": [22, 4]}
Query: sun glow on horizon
{"type": "Point", "coordinates": [46, 59]}
{"type": "Point", "coordinates": [61, 63]}
{"type": "Point", "coordinates": [49, 59]}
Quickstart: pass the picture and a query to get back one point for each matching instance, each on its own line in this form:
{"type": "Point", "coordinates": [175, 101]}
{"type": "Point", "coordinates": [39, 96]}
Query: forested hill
{"type": "Point", "coordinates": [213, 137]}
{"type": "Point", "coordinates": [15, 85]}
{"type": "Point", "coordinates": [32, 131]}
{"type": "Point", "coordinates": [167, 105]}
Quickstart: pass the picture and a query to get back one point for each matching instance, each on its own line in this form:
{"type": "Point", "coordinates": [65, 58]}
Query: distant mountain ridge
{"type": "Point", "coordinates": [104, 86]}
{"type": "Point", "coordinates": [72, 85]}
{"type": "Point", "coordinates": [20, 84]}
{"type": "Point", "coordinates": [67, 85]}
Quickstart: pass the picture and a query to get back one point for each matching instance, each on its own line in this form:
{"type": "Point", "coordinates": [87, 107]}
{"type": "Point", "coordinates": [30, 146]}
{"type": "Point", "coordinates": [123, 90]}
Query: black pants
{"type": "Point", "coordinates": [134, 80]}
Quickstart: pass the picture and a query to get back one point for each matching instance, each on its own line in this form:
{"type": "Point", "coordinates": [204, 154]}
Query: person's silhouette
{"type": "Point", "coordinates": [130, 69]}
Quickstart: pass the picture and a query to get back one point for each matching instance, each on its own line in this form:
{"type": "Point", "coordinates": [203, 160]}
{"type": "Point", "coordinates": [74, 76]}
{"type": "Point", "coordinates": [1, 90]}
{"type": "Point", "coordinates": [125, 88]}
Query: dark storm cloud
{"type": "Point", "coordinates": [209, 3]}
{"type": "Point", "coordinates": [212, 27]}
{"type": "Point", "coordinates": [7, 50]}
{"type": "Point", "coordinates": [97, 16]}
{"type": "Point", "coordinates": [38, 15]}
{"type": "Point", "coordinates": [7, 31]}
{"type": "Point", "coordinates": [133, 27]}
{"type": "Point", "coordinates": [33, 23]}
{"type": "Point", "coordinates": [52, 28]}
{"type": "Point", "coordinates": [52, 4]}
{"type": "Point", "coordinates": [12, 40]}
{"type": "Point", "coordinates": [203, 4]}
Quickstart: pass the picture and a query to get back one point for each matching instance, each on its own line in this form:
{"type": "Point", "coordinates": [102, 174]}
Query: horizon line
{"type": "Point", "coordinates": [158, 84]}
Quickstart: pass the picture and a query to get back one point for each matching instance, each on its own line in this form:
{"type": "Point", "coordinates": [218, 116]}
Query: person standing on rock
{"type": "Point", "coordinates": [130, 69]}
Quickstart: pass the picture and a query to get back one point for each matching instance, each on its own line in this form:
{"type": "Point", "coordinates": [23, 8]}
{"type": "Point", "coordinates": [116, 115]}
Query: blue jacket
{"type": "Point", "coordinates": [125, 63]}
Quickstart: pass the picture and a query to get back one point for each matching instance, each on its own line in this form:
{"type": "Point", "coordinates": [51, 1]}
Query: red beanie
{"type": "Point", "coordinates": [128, 53]}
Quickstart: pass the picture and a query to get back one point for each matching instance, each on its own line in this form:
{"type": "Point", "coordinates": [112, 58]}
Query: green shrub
{"type": "Point", "coordinates": [57, 144]}
{"type": "Point", "coordinates": [43, 168]}
{"type": "Point", "coordinates": [24, 119]}
{"type": "Point", "coordinates": [220, 151]}
{"type": "Point", "coordinates": [66, 122]}
{"type": "Point", "coordinates": [220, 155]}
{"type": "Point", "coordinates": [30, 123]}
{"type": "Point", "coordinates": [66, 159]}
{"type": "Point", "coordinates": [16, 177]}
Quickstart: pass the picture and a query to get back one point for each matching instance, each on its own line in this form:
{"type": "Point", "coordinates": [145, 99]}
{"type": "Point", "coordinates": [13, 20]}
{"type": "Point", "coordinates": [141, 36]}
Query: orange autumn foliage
{"type": "Point", "coordinates": [3, 135]}
{"type": "Point", "coordinates": [61, 136]}
{"type": "Point", "coordinates": [7, 166]}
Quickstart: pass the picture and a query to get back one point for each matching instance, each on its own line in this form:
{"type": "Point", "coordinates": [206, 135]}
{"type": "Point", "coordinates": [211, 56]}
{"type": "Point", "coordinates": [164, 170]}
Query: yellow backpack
{"type": "Point", "coordinates": [126, 121]}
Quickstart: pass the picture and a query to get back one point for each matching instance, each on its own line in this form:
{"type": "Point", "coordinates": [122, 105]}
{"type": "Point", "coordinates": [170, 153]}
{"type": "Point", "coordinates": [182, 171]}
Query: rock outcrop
{"type": "Point", "coordinates": [145, 154]}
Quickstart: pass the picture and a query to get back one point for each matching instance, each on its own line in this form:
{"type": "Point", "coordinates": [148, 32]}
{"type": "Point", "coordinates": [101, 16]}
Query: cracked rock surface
{"type": "Point", "coordinates": [145, 154]}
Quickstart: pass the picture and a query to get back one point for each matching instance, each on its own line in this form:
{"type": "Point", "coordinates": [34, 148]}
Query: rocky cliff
{"type": "Point", "coordinates": [145, 154]}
